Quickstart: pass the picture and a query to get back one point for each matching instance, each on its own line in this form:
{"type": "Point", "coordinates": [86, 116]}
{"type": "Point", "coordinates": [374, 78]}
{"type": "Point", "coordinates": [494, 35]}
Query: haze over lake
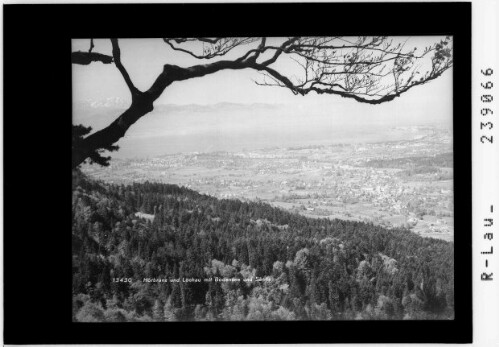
{"type": "Point", "coordinates": [234, 127]}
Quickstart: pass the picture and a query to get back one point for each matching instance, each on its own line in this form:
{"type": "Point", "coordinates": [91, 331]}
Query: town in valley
{"type": "Point", "coordinates": [396, 184]}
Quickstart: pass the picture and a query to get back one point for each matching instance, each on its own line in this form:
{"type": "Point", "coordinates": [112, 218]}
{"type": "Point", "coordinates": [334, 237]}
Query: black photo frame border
{"type": "Point", "coordinates": [37, 142]}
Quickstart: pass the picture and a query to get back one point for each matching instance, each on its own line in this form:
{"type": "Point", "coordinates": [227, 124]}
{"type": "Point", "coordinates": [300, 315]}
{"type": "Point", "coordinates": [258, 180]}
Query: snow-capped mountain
{"type": "Point", "coordinates": [112, 102]}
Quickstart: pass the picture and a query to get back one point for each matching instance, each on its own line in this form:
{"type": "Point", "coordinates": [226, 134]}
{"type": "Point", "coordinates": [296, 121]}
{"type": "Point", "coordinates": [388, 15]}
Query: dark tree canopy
{"type": "Point", "coordinates": [368, 69]}
{"type": "Point", "coordinates": [315, 268]}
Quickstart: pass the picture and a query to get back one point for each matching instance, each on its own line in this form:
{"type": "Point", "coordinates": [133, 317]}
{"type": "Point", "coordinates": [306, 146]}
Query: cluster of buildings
{"type": "Point", "coordinates": [384, 177]}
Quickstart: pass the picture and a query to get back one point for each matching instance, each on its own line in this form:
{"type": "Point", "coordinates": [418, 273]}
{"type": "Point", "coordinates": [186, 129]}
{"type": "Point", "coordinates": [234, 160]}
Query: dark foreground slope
{"type": "Point", "coordinates": [281, 266]}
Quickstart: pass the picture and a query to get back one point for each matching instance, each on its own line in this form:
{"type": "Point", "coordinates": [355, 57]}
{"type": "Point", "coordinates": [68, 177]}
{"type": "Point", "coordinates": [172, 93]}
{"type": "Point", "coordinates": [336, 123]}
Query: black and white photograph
{"type": "Point", "coordinates": [236, 173]}
{"type": "Point", "coordinates": [263, 178]}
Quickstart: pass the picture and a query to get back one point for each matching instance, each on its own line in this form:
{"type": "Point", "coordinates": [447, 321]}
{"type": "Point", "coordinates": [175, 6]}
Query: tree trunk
{"type": "Point", "coordinates": [112, 133]}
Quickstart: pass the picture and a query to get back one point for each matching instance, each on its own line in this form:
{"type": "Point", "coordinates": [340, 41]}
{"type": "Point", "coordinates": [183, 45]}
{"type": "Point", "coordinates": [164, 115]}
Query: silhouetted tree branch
{"type": "Point", "coordinates": [85, 58]}
{"type": "Point", "coordinates": [121, 68]}
{"type": "Point", "coordinates": [370, 70]}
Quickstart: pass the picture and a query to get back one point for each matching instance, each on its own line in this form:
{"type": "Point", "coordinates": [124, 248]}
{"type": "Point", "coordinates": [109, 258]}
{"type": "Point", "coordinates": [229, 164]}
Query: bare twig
{"type": "Point", "coordinates": [117, 60]}
{"type": "Point", "coordinates": [369, 70]}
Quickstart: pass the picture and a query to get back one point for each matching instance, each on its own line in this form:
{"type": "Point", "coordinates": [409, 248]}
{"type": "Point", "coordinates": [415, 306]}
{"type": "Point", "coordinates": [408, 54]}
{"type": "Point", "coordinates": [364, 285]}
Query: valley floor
{"type": "Point", "coordinates": [393, 184]}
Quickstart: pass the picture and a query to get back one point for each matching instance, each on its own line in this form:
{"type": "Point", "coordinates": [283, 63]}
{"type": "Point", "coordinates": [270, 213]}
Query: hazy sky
{"type": "Point", "coordinates": [144, 59]}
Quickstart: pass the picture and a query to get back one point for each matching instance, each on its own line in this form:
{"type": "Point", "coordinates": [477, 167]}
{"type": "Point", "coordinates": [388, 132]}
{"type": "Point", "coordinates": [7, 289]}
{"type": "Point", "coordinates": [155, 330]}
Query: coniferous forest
{"type": "Point", "coordinates": [159, 252]}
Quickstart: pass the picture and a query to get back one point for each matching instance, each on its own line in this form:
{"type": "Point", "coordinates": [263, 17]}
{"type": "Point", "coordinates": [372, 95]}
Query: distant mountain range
{"type": "Point", "coordinates": [114, 102]}
{"type": "Point", "coordinates": [120, 103]}
{"type": "Point", "coordinates": [227, 126]}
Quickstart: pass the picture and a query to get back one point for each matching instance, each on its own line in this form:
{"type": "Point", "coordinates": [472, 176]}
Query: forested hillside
{"type": "Point", "coordinates": [265, 263]}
